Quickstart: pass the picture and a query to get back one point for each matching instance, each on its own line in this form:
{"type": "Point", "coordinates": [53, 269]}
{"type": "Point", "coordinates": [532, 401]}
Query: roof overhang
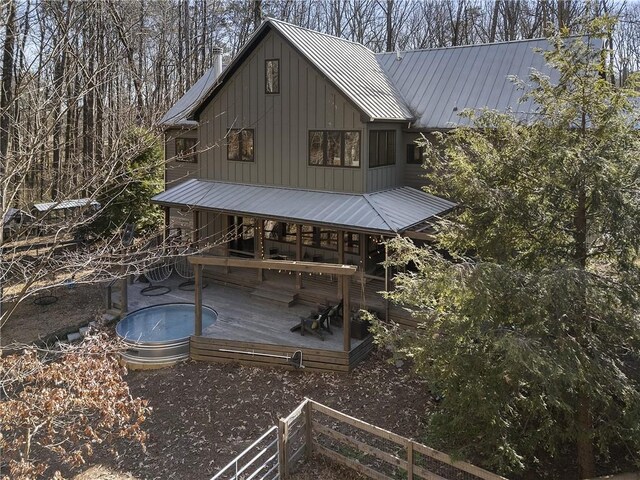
{"type": "Point", "coordinates": [386, 212]}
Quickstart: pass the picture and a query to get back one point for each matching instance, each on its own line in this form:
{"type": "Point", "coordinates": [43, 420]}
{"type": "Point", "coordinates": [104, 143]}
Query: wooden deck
{"type": "Point", "coordinates": [254, 331]}
{"type": "Point", "coordinates": [316, 290]}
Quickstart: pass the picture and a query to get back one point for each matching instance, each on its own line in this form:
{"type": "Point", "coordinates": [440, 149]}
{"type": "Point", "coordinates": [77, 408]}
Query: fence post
{"type": "Point", "coordinates": [309, 438]}
{"type": "Point", "coordinates": [282, 449]}
{"type": "Point", "coordinates": [409, 460]}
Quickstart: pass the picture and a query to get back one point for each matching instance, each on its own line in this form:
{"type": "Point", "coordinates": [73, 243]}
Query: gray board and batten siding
{"type": "Point", "coordinates": [281, 123]}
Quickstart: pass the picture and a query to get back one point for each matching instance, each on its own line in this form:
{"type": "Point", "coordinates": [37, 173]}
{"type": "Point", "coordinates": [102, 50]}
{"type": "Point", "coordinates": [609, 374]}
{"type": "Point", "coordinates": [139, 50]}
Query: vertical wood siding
{"type": "Point", "coordinates": [177, 172]}
{"type": "Point", "coordinates": [281, 124]}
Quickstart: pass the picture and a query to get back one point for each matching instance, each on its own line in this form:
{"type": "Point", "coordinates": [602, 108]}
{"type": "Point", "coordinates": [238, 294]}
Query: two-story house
{"type": "Point", "coordinates": [303, 146]}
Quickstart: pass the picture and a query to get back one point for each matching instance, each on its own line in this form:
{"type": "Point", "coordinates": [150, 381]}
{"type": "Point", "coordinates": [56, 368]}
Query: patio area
{"type": "Point", "coordinates": [243, 317]}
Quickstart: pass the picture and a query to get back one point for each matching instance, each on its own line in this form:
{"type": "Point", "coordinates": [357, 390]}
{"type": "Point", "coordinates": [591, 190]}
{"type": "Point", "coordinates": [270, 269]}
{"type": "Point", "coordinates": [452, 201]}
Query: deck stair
{"type": "Point", "coordinates": [275, 294]}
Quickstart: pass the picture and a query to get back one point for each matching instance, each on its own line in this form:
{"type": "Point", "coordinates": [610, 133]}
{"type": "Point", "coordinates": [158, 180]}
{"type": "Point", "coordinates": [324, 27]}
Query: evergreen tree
{"type": "Point", "coordinates": [531, 322]}
{"type": "Point", "coordinates": [136, 180]}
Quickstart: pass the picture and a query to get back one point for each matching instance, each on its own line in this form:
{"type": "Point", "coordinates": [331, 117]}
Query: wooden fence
{"type": "Point", "coordinates": [372, 451]}
{"type": "Point", "coordinates": [258, 460]}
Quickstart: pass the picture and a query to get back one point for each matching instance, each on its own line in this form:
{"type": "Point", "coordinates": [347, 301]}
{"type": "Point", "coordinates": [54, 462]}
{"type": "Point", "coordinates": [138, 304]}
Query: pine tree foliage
{"type": "Point", "coordinates": [140, 177]}
{"type": "Point", "coordinates": [530, 323]}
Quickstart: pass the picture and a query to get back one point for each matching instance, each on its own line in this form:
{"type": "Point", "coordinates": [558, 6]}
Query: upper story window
{"type": "Point", "coordinates": [415, 154]}
{"type": "Point", "coordinates": [186, 150]}
{"type": "Point", "coordinates": [272, 76]}
{"type": "Point", "coordinates": [382, 148]}
{"type": "Point", "coordinates": [334, 148]}
{"type": "Point", "coordinates": [240, 145]}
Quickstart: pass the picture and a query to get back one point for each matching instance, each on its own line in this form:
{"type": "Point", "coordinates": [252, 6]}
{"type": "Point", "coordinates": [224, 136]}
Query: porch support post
{"type": "Point", "coordinates": [259, 244]}
{"type": "Point", "coordinates": [124, 293]}
{"type": "Point", "coordinates": [299, 254]}
{"type": "Point", "coordinates": [167, 222]}
{"type": "Point", "coordinates": [363, 257]}
{"type": "Point", "coordinates": [346, 315]}
{"type": "Point", "coordinates": [386, 282]}
{"type": "Point", "coordinates": [341, 279]}
{"type": "Point", "coordinates": [198, 300]}
{"type": "Point", "coordinates": [226, 238]}
{"type": "Point", "coordinates": [195, 222]}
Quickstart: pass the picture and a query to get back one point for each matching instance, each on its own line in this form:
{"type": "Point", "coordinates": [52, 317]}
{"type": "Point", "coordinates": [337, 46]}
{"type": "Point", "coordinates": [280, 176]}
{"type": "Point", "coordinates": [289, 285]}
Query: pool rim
{"type": "Point", "coordinates": [158, 343]}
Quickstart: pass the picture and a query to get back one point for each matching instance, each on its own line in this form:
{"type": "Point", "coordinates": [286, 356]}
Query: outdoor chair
{"type": "Point", "coordinates": [315, 324]}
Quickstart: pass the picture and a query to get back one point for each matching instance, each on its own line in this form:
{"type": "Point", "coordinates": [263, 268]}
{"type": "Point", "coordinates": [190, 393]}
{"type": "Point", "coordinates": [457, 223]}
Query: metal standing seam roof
{"type": "Point", "coordinates": [352, 67]}
{"type": "Point", "coordinates": [74, 203]}
{"type": "Point", "coordinates": [388, 211]}
{"type": "Point", "coordinates": [437, 84]}
{"type": "Point", "coordinates": [177, 115]}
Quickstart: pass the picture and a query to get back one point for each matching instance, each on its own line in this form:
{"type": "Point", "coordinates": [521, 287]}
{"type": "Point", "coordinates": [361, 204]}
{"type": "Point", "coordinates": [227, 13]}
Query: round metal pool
{"type": "Point", "coordinates": [159, 335]}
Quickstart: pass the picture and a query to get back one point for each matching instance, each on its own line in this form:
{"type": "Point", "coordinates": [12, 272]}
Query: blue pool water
{"type": "Point", "coordinates": [163, 323]}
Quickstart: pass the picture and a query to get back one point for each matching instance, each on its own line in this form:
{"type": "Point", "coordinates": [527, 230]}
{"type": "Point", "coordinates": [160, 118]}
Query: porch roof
{"type": "Point", "coordinates": [387, 211]}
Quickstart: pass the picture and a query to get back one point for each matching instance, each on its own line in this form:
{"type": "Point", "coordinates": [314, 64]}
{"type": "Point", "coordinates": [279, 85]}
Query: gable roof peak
{"type": "Point", "coordinates": [277, 22]}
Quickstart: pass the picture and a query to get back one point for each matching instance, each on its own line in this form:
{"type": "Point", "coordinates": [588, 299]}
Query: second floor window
{"type": "Point", "coordinates": [334, 148]}
{"type": "Point", "coordinates": [240, 145]}
{"type": "Point", "coordinates": [414, 154]}
{"type": "Point", "coordinates": [186, 150]}
{"type": "Point", "coordinates": [272, 76]}
{"type": "Point", "coordinates": [382, 148]}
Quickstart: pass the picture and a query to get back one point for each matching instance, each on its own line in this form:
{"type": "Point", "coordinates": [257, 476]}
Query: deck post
{"type": "Point", "coordinates": [195, 222]}
{"type": "Point", "coordinates": [386, 282]}
{"type": "Point", "coordinates": [167, 226]}
{"type": "Point", "coordinates": [363, 254]}
{"type": "Point", "coordinates": [258, 236]}
{"type": "Point", "coordinates": [226, 240]}
{"type": "Point", "coordinates": [346, 314]}
{"type": "Point", "coordinates": [340, 258]}
{"type": "Point", "coordinates": [299, 254]}
{"type": "Point", "coordinates": [124, 293]}
{"type": "Point", "coordinates": [198, 300]}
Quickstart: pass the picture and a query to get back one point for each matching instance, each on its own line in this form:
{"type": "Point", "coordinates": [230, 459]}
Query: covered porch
{"type": "Point", "coordinates": [294, 246]}
{"type": "Point", "coordinates": [269, 222]}
{"type": "Point", "coordinates": [252, 329]}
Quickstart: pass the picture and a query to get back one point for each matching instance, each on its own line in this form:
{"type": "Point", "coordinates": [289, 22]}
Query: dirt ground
{"type": "Point", "coordinates": [204, 414]}
{"type": "Point", "coordinates": [74, 307]}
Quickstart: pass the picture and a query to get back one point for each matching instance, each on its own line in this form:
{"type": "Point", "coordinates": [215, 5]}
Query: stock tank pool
{"type": "Point", "coordinates": [157, 336]}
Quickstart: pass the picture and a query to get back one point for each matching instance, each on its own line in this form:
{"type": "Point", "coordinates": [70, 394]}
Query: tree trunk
{"type": "Point", "coordinates": [6, 86]}
{"type": "Point", "coordinates": [6, 91]}
{"type": "Point", "coordinates": [257, 13]}
{"type": "Point", "coordinates": [494, 21]}
{"type": "Point", "coordinates": [584, 442]}
{"type": "Point", "coordinates": [389, 22]}
{"type": "Point", "coordinates": [584, 420]}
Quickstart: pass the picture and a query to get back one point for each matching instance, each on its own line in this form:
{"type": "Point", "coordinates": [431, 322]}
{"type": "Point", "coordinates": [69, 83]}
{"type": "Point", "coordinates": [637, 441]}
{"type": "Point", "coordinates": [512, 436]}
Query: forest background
{"type": "Point", "coordinates": [76, 75]}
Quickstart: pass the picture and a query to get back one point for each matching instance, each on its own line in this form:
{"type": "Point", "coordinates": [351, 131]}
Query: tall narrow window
{"type": "Point", "coordinates": [186, 150]}
{"type": "Point", "coordinates": [414, 154]}
{"type": "Point", "coordinates": [240, 145]}
{"type": "Point", "coordinates": [272, 76]}
{"type": "Point", "coordinates": [382, 148]}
